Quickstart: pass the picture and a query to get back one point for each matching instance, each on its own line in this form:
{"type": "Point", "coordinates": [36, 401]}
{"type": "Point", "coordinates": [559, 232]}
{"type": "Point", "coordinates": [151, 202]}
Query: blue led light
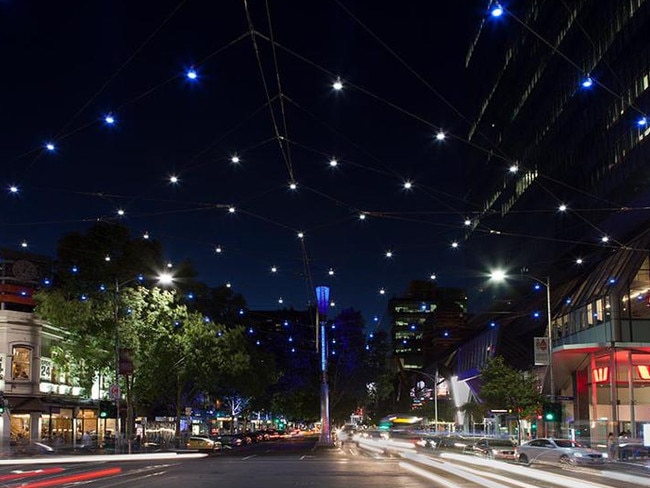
{"type": "Point", "coordinates": [587, 82]}
{"type": "Point", "coordinates": [537, 315]}
{"type": "Point", "coordinates": [102, 287]}
{"type": "Point", "coordinates": [493, 324]}
{"type": "Point", "coordinates": [446, 333]}
{"type": "Point", "coordinates": [497, 10]}
{"type": "Point", "coordinates": [47, 282]}
{"type": "Point", "coordinates": [642, 122]}
{"type": "Point", "coordinates": [190, 296]}
{"type": "Point", "coordinates": [83, 298]}
{"type": "Point", "coordinates": [109, 119]}
{"type": "Point", "coordinates": [50, 147]}
{"type": "Point", "coordinates": [191, 74]}
{"type": "Point", "coordinates": [74, 269]}
{"type": "Point", "coordinates": [612, 281]}
{"type": "Point", "coordinates": [250, 330]}
{"type": "Point", "coordinates": [257, 342]}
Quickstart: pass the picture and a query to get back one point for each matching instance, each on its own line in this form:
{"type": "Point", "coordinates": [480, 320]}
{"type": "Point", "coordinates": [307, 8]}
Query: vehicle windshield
{"type": "Point", "coordinates": [567, 443]}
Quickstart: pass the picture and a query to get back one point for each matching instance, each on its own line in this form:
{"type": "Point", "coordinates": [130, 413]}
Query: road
{"type": "Point", "coordinates": [298, 464]}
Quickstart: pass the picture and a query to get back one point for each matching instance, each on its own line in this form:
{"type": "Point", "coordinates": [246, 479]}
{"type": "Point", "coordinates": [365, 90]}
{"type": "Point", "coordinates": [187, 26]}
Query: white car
{"type": "Point", "coordinates": [563, 451]}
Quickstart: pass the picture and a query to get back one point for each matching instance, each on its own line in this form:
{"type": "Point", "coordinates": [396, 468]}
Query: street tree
{"type": "Point", "coordinates": [506, 388]}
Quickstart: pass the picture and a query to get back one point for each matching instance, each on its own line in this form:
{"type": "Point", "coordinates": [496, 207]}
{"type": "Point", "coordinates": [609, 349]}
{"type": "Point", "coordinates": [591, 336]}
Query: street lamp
{"type": "Point", "coordinates": [436, 381]}
{"type": "Point", "coordinates": [322, 298]}
{"type": "Point", "coordinates": [500, 275]}
{"type": "Point", "coordinates": [127, 367]}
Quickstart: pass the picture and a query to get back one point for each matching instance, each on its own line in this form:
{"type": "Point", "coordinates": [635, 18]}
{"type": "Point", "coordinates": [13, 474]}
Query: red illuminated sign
{"type": "Point", "coordinates": [601, 375]}
{"type": "Point", "coordinates": [644, 371]}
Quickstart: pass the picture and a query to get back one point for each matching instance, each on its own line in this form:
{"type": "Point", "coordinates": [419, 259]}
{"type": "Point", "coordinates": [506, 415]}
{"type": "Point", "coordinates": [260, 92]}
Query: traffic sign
{"type": "Point", "coordinates": [114, 392]}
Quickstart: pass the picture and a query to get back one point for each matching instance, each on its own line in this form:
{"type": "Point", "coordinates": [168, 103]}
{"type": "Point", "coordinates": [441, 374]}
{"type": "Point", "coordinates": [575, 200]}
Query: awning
{"type": "Point", "coordinates": [26, 405]}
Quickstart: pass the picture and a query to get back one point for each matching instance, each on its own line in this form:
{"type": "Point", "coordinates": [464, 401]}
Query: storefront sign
{"type": "Point", "coordinates": [541, 351]}
{"type": "Point", "coordinates": [46, 369]}
{"type": "Point", "coordinates": [600, 375]}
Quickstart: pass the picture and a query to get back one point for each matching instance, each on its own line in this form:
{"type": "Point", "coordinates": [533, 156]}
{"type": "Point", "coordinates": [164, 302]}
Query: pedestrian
{"type": "Point", "coordinates": [622, 445]}
{"type": "Point", "coordinates": [611, 446]}
{"type": "Point", "coordinates": [86, 441]}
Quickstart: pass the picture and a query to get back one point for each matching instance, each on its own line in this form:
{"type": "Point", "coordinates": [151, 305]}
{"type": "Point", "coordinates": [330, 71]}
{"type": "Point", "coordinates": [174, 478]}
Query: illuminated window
{"type": "Point", "coordinates": [21, 363]}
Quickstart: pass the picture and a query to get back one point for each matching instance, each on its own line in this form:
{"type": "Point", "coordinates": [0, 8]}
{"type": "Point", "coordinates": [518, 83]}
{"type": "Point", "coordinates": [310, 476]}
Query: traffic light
{"type": "Point", "coordinates": [553, 412]}
{"type": "Point", "coordinates": [106, 409]}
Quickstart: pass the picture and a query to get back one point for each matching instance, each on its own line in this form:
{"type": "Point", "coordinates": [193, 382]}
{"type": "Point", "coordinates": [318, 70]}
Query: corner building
{"type": "Point", "coordinates": [562, 118]}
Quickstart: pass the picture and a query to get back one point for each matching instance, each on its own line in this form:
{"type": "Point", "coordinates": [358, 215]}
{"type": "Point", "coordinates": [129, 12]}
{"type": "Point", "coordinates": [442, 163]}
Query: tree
{"type": "Point", "coordinates": [347, 375]}
{"type": "Point", "coordinates": [504, 387]}
{"type": "Point", "coordinates": [380, 377]}
{"type": "Point", "coordinates": [176, 352]}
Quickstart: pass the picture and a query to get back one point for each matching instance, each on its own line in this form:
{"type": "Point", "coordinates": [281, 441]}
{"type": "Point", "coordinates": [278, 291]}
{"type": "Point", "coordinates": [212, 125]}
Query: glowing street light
{"type": "Point", "coordinates": [322, 299]}
{"type": "Point", "coordinates": [500, 275]}
{"type": "Point", "coordinates": [497, 10]}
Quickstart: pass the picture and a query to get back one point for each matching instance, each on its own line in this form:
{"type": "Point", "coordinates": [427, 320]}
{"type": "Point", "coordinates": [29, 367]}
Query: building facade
{"type": "Point", "coordinates": [561, 188]}
{"type": "Point", "coordinates": [41, 401]}
{"type": "Point", "coordinates": [427, 323]}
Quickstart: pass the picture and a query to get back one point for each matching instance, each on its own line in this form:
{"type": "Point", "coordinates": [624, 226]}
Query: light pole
{"type": "Point", "coordinates": [436, 382]}
{"type": "Point", "coordinates": [322, 298]}
{"type": "Point", "coordinates": [499, 275]}
{"type": "Point", "coordinates": [163, 279]}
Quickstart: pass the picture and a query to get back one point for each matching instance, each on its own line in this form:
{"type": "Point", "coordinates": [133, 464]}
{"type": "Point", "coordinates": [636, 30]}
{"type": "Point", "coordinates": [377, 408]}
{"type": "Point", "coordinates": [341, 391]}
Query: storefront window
{"type": "Point", "coordinates": [21, 363]}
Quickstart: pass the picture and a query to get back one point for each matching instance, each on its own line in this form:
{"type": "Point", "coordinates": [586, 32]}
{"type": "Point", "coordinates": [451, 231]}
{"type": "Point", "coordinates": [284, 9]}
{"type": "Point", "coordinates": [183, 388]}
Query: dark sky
{"type": "Point", "coordinates": [67, 64]}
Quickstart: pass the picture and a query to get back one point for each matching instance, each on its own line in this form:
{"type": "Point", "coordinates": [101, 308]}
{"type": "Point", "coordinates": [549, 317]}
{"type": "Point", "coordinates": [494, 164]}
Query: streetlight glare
{"type": "Point", "coordinates": [165, 279]}
{"type": "Point", "coordinates": [498, 275]}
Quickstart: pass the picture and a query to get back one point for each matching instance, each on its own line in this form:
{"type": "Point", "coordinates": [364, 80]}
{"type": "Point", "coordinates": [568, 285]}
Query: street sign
{"type": "Point", "coordinates": [564, 398]}
{"type": "Point", "coordinates": [114, 392]}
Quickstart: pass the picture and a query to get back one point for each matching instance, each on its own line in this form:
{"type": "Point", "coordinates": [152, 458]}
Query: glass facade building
{"type": "Point", "coordinates": [563, 177]}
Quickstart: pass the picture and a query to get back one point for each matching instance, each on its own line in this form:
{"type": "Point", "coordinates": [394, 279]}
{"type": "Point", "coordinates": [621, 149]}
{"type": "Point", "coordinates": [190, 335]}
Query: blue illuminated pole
{"type": "Point", "coordinates": [323, 298]}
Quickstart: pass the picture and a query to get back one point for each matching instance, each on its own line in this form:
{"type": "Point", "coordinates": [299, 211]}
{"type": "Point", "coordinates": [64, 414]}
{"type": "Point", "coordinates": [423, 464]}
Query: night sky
{"type": "Point", "coordinates": [67, 65]}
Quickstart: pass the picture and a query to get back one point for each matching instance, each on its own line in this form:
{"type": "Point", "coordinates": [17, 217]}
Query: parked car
{"type": "Point", "coordinates": [203, 443]}
{"type": "Point", "coordinates": [563, 451]}
{"type": "Point", "coordinates": [27, 449]}
{"type": "Point", "coordinates": [495, 448]}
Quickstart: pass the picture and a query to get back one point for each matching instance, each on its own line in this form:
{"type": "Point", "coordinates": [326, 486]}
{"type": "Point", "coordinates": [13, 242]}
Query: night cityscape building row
{"type": "Point", "coordinates": [561, 193]}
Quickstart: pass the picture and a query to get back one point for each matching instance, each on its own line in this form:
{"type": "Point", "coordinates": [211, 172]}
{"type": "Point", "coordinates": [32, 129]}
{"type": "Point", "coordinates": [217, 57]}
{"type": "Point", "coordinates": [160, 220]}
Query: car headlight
{"type": "Point", "coordinates": [605, 455]}
{"type": "Point", "coordinates": [577, 454]}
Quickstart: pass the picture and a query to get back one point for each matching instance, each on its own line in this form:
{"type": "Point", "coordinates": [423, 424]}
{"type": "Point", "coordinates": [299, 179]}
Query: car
{"type": "Point", "coordinates": [231, 440]}
{"type": "Point", "coordinates": [563, 451]}
{"type": "Point", "coordinates": [203, 443]}
{"type": "Point", "coordinates": [495, 448]}
{"type": "Point", "coordinates": [27, 449]}
{"type": "Point", "coordinates": [347, 432]}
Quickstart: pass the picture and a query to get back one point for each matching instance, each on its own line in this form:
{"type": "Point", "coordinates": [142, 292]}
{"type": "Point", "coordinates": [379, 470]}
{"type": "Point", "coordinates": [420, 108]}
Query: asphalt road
{"type": "Point", "coordinates": [298, 464]}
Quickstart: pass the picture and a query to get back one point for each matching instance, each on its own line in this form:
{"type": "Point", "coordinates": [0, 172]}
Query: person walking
{"type": "Point", "coordinates": [611, 447]}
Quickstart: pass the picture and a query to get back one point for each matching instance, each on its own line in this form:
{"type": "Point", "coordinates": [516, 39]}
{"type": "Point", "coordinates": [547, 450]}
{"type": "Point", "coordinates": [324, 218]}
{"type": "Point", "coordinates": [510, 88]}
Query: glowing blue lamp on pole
{"type": "Point", "coordinates": [323, 299]}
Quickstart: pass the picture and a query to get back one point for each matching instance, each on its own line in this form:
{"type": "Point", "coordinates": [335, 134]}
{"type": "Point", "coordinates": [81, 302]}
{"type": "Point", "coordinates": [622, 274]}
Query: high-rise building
{"type": "Point", "coordinates": [427, 322]}
{"type": "Point", "coordinates": [561, 187]}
